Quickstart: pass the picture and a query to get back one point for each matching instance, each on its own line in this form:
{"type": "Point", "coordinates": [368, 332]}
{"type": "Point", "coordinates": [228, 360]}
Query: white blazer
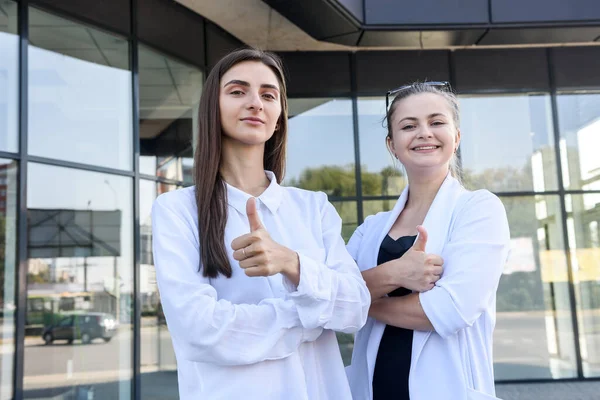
{"type": "Point", "coordinates": [454, 362]}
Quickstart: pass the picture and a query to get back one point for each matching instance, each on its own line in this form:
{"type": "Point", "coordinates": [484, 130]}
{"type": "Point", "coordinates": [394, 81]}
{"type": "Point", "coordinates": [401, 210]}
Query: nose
{"type": "Point", "coordinates": [424, 132]}
{"type": "Point", "coordinates": [255, 102]}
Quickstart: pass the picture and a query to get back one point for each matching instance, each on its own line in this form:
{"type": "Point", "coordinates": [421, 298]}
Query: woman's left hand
{"type": "Point", "coordinates": [259, 255]}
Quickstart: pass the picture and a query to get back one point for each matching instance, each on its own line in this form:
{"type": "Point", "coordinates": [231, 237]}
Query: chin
{"type": "Point", "coordinates": [251, 138]}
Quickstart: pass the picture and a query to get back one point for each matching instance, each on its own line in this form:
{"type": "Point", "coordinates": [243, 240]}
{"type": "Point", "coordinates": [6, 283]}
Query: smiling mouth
{"type": "Point", "coordinates": [425, 148]}
{"type": "Point", "coordinates": [253, 120]}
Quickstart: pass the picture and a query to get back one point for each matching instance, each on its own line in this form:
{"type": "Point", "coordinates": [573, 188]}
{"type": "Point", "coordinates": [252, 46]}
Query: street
{"type": "Point", "coordinates": [520, 352]}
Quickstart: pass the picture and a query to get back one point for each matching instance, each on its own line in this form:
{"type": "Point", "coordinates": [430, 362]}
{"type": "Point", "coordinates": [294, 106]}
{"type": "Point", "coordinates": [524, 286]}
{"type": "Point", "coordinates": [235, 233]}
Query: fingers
{"type": "Point", "coordinates": [243, 241]}
{"type": "Point", "coordinates": [252, 214]}
{"type": "Point", "coordinates": [421, 241]}
{"type": "Point", "coordinates": [251, 262]}
{"type": "Point", "coordinates": [250, 250]}
{"type": "Point", "coordinates": [256, 271]}
{"type": "Point", "coordinates": [256, 266]}
{"type": "Point", "coordinates": [434, 259]}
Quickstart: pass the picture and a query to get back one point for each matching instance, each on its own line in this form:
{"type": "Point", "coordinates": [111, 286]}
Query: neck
{"type": "Point", "coordinates": [423, 188]}
{"type": "Point", "coordinates": [242, 167]}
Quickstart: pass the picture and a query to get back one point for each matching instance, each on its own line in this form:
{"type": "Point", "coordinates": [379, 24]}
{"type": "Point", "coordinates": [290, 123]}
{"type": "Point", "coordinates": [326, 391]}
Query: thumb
{"type": "Point", "coordinates": [252, 214]}
{"type": "Point", "coordinates": [421, 241]}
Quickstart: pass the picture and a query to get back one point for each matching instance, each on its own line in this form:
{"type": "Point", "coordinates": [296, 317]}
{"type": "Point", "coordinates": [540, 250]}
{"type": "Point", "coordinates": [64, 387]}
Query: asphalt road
{"type": "Point", "coordinates": [521, 351]}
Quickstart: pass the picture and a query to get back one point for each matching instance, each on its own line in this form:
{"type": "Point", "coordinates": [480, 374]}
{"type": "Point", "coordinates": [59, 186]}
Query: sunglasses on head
{"type": "Point", "coordinates": [439, 85]}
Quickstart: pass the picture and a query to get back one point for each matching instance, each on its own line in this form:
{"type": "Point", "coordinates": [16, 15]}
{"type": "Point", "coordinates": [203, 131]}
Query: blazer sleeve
{"type": "Point", "coordinates": [474, 259]}
{"type": "Point", "coordinates": [331, 293]}
{"type": "Point", "coordinates": [356, 240]}
{"type": "Point", "coordinates": [204, 328]}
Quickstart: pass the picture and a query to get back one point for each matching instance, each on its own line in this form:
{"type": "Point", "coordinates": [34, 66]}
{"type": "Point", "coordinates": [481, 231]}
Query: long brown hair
{"type": "Point", "coordinates": [211, 192]}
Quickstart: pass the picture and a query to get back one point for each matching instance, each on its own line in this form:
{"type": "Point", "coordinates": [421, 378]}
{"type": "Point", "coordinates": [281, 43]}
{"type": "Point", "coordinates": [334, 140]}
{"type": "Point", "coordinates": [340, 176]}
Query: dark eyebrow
{"type": "Point", "coordinates": [428, 117]}
{"type": "Point", "coordinates": [246, 84]}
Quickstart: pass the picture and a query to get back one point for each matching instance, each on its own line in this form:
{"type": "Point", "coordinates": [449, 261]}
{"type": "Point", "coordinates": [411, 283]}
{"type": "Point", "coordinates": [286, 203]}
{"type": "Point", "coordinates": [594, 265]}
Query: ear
{"type": "Point", "coordinates": [457, 140]}
{"type": "Point", "coordinates": [389, 142]}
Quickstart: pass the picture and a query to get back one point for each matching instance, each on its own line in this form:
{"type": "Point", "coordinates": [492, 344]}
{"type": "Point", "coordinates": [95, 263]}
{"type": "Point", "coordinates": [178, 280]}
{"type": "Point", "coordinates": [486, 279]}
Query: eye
{"type": "Point", "coordinates": [407, 127]}
{"type": "Point", "coordinates": [269, 96]}
{"type": "Point", "coordinates": [236, 92]}
{"type": "Point", "coordinates": [438, 123]}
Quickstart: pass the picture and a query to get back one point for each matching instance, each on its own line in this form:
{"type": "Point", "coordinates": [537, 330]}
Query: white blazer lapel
{"type": "Point", "coordinates": [437, 223]}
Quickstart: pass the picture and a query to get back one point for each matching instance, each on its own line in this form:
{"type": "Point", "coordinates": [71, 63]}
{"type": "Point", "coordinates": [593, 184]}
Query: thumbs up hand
{"type": "Point", "coordinates": [252, 214]}
{"type": "Point", "coordinates": [418, 270]}
{"type": "Point", "coordinates": [259, 255]}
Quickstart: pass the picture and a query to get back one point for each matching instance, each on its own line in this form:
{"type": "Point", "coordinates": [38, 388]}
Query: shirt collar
{"type": "Point", "coordinates": [271, 197]}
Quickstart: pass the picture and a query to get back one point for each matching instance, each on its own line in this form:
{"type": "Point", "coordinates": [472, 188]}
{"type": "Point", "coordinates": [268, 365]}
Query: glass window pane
{"type": "Point", "coordinates": [507, 143]}
{"type": "Point", "coordinates": [382, 174]}
{"type": "Point", "coordinates": [80, 264]}
{"type": "Point", "coordinates": [320, 150]}
{"type": "Point", "coordinates": [169, 95]}
{"type": "Point", "coordinates": [371, 207]}
{"type": "Point", "coordinates": [583, 227]}
{"type": "Point", "coordinates": [534, 337]}
{"type": "Point", "coordinates": [80, 106]}
{"type": "Point", "coordinates": [158, 366]}
{"type": "Point", "coordinates": [348, 212]}
{"type": "Point", "coordinates": [579, 120]}
{"type": "Point", "coordinates": [9, 77]}
{"type": "Point", "coordinates": [8, 263]}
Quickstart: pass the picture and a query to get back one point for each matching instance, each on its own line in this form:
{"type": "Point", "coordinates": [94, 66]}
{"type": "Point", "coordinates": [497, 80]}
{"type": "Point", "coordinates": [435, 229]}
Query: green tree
{"type": "Point", "coordinates": [336, 181]}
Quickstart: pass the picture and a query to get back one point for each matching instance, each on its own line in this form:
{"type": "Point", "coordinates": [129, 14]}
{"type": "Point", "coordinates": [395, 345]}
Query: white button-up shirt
{"type": "Point", "coordinates": [259, 337]}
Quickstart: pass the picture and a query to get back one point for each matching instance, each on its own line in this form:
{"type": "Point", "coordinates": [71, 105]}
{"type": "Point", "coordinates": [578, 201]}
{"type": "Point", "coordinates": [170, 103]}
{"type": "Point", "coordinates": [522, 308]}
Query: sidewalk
{"type": "Point", "coordinates": [549, 391]}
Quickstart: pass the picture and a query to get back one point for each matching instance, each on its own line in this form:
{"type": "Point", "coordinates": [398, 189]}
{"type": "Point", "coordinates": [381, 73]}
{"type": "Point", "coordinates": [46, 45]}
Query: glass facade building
{"type": "Point", "coordinates": [97, 111]}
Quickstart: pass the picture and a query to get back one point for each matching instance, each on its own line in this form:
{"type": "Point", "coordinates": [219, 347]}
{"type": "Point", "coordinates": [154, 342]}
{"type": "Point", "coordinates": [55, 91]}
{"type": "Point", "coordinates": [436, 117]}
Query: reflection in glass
{"type": "Point", "coordinates": [79, 284]}
{"type": "Point", "coordinates": [80, 106]}
{"type": "Point", "coordinates": [372, 207]}
{"type": "Point", "coordinates": [157, 355]}
{"type": "Point", "coordinates": [348, 213]}
{"type": "Point", "coordinates": [320, 152]}
{"type": "Point", "coordinates": [9, 78]}
{"type": "Point", "coordinates": [583, 227]}
{"type": "Point", "coordinates": [382, 175]}
{"type": "Point", "coordinates": [534, 337]}
{"type": "Point", "coordinates": [507, 143]}
{"type": "Point", "coordinates": [8, 263]}
{"type": "Point", "coordinates": [169, 94]}
{"type": "Point", "coordinates": [579, 119]}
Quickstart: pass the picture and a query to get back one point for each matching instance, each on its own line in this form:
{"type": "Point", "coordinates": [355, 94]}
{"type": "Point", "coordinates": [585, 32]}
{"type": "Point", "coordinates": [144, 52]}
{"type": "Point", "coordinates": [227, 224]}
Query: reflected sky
{"type": "Point", "coordinates": [503, 131]}
{"type": "Point", "coordinates": [80, 105]}
{"type": "Point", "coordinates": [321, 136]}
{"type": "Point", "coordinates": [9, 94]}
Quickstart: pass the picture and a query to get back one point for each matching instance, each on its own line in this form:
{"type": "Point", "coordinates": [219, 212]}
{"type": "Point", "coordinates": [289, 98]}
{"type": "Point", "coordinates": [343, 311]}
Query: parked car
{"type": "Point", "coordinates": [85, 326]}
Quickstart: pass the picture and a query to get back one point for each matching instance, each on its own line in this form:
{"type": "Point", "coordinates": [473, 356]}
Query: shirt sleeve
{"type": "Point", "coordinates": [204, 328]}
{"type": "Point", "coordinates": [474, 259]}
{"type": "Point", "coordinates": [331, 292]}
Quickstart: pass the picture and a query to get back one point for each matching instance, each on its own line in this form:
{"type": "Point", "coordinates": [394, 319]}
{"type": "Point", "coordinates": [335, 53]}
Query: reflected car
{"type": "Point", "coordinates": [82, 326]}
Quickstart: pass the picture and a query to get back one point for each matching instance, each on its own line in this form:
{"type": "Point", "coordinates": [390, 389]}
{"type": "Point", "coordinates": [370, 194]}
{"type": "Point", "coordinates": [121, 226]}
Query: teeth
{"type": "Point", "coordinates": [426, 148]}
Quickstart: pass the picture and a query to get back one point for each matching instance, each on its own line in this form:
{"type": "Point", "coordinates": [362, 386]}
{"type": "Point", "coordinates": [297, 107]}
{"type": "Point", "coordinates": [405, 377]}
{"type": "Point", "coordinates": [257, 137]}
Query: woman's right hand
{"type": "Point", "coordinates": [416, 269]}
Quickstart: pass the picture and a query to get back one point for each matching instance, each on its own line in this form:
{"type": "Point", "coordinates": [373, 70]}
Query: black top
{"type": "Point", "coordinates": [390, 379]}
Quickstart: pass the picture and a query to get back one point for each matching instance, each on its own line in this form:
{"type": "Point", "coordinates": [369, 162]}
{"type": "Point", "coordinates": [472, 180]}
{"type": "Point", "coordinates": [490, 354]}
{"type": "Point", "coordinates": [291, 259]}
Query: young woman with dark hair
{"type": "Point", "coordinates": [254, 277]}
